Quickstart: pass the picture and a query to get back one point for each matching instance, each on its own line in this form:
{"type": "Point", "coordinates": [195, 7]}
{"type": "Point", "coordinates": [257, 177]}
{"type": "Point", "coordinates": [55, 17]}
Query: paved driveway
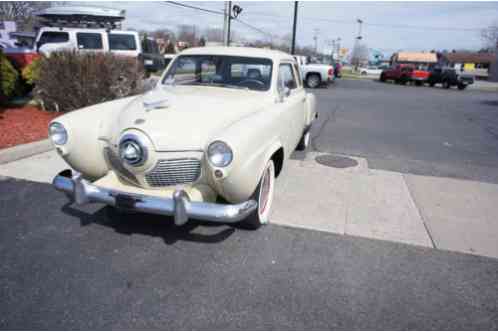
{"type": "Point", "coordinates": [78, 268]}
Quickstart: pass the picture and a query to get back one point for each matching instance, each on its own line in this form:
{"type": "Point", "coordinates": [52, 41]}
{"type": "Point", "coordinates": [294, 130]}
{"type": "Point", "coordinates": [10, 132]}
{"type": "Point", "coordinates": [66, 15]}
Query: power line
{"type": "Point", "coordinates": [254, 28]}
{"type": "Point", "coordinates": [380, 25]}
{"type": "Point", "coordinates": [195, 7]}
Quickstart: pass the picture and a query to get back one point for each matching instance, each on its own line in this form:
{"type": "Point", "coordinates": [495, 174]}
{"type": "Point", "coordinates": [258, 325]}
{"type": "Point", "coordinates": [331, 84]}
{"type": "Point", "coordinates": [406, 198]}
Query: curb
{"type": "Point", "coordinates": [24, 150]}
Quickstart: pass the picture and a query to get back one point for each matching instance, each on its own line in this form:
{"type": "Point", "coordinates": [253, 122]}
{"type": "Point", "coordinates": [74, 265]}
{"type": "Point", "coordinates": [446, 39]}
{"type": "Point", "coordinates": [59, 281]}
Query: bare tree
{"type": "Point", "coordinates": [214, 35]}
{"type": "Point", "coordinates": [489, 36]}
{"type": "Point", "coordinates": [187, 33]}
{"type": "Point", "coordinates": [22, 12]}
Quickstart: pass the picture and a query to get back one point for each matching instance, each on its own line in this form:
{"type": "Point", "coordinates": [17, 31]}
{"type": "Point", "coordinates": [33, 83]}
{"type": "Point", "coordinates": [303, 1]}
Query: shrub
{"type": "Point", "coordinates": [8, 78]}
{"type": "Point", "coordinates": [70, 80]}
{"type": "Point", "coordinates": [31, 72]}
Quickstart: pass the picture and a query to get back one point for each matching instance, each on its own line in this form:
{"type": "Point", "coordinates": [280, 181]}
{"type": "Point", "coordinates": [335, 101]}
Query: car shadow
{"type": "Point", "coordinates": [152, 225]}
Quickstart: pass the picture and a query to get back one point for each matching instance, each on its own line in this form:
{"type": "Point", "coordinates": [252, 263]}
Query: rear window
{"type": "Point", "coordinates": [89, 41]}
{"type": "Point", "coordinates": [122, 42]}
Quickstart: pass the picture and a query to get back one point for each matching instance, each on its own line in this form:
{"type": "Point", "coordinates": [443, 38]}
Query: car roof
{"type": "Point", "coordinates": [240, 51]}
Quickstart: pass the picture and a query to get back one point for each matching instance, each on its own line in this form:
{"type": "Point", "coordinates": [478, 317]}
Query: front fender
{"type": "Point", "coordinates": [87, 131]}
{"type": "Point", "coordinates": [242, 181]}
{"type": "Point", "coordinates": [253, 141]}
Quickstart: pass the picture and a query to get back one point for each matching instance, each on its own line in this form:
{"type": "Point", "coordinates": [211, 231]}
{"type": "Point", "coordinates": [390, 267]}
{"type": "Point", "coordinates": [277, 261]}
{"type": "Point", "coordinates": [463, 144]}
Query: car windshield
{"type": "Point", "coordinates": [221, 71]}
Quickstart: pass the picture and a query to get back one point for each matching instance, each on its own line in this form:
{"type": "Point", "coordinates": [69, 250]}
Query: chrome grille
{"type": "Point", "coordinates": [170, 172]}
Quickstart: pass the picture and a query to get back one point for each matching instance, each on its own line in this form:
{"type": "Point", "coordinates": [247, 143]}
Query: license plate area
{"type": "Point", "coordinates": [125, 202]}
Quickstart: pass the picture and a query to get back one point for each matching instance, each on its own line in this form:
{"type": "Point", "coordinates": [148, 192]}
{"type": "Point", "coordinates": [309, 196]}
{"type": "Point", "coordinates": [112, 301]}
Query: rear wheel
{"type": "Point", "coordinates": [264, 196]}
{"type": "Point", "coordinates": [431, 84]}
{"type": "Point", "coordinates": [418, 83]}
{"type": "Point", "coordinates": [382, 77]}
{"type": "Point", "coordinates": [446, 85]}
{"type": "Point", "coordinates": [461, 86]}
{"type": "Point", "coordinates": [313, 81]}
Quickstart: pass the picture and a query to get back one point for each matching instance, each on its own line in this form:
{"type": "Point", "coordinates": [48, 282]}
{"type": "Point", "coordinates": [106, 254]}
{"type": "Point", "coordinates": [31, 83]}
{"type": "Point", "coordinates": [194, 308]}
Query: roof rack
{"type": "Point", "coordinates": [81, 16]}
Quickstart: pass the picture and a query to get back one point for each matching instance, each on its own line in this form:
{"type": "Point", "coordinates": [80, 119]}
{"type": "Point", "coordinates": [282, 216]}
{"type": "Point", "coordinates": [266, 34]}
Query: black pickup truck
{"type": "Point", "coordinates": [448, 77]}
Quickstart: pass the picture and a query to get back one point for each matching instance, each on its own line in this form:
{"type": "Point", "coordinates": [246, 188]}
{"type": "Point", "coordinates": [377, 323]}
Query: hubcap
{"type": "Point", "coordinates": [313, 81]}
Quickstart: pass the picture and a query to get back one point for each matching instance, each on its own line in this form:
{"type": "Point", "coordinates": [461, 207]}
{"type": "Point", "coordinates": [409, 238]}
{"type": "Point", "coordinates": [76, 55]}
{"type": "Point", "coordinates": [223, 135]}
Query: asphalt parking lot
{"type": "Point", "coordinates": [66, 267]}
{"type": "Point", "coordinates": [408, 129]}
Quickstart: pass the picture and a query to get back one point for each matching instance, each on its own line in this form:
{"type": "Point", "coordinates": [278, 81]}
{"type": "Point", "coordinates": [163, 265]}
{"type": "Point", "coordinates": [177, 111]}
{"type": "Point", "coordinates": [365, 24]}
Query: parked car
{"type": "Point", "coordinates": [125, 43]}
{"type": "Point", "coordinates": [448, 77]}
{"type": "Point", "coordinates": [207, 131]}
{"type": "Point", "coordinates": [370, 70]}
{"type": "Point", "coordinates": [405, 73]}
{"type": "Point", "coordinates": [314, 74]}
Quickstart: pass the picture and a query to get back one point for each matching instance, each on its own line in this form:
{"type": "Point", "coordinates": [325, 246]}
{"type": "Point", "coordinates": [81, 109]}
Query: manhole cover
{"type": "Point", "coordinates": [336, 161]}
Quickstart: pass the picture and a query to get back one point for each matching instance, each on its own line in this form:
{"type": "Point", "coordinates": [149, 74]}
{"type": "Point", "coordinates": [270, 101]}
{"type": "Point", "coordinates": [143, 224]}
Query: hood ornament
{"type": "Point", "coordinates": [152, 105]}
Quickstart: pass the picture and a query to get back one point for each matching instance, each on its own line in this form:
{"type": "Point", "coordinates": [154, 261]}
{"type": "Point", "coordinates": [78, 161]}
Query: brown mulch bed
{"type": "Point", "coordinates": [20, 125]}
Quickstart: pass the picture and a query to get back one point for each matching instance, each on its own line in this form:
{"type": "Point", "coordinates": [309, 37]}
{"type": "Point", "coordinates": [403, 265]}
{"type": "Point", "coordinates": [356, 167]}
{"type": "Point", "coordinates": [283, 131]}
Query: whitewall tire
{"type": "Point", "coordinates": [264, 197]}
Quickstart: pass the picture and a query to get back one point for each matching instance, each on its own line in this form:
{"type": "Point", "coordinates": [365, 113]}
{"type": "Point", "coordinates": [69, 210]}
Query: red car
{"type": "Point", "coordinates": [404, 73]}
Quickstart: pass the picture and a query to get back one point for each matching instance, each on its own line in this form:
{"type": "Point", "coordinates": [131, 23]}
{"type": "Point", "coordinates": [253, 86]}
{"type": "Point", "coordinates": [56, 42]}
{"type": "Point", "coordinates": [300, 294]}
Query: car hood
{"type": "Point", "coordinates": [180, 118]}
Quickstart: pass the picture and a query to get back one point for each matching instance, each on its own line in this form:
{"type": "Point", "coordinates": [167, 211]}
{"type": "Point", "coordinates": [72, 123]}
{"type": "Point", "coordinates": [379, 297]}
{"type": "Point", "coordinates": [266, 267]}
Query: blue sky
{"type": "Point", "coordinates": [389, 26]}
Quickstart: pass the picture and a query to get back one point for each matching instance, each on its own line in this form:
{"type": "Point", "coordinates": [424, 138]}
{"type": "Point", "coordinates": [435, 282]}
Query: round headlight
{"type": "Point", "coordinates": [220, 154]}
{"type": "Point", "coordinates": [57, 133]}
{"type": "Point", "coordinates": [131, 151]}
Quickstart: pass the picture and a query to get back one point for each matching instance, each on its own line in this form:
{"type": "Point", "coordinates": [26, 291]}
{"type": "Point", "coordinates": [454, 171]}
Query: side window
{"type": "Point", "coordinates": [122, 42]}
{"type": "Point", "coordinates": [89, 41]}
{"type": "Point", "coordinates": [53, 37]}
{"type": "Point", "coordinates": [286, 77]}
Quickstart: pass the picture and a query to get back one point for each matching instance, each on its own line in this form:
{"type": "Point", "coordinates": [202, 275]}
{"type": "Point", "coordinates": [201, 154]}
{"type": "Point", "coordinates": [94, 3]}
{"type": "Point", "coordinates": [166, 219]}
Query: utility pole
{"type": "Point", "coordinates": [225, 23]}
{"type": "Point", "coordinates": [229, 22]}
{"type": "Point", "coordinates": [357, 44]}
{"type": "Point", "coordinates": [293, 47]}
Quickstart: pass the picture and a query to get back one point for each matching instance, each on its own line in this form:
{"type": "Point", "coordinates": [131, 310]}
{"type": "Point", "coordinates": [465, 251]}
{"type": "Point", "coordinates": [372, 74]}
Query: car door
{"type": "Point", "coordinates": [293, 99]}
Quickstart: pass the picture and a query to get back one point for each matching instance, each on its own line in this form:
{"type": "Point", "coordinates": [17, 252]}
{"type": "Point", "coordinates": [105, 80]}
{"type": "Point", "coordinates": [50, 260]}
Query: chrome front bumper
{"type": "Point", "coordinates": [179, 206]}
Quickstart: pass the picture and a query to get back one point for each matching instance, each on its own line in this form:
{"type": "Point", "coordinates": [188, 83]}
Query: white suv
{"type": "Point", "coordinates": [50, 39]}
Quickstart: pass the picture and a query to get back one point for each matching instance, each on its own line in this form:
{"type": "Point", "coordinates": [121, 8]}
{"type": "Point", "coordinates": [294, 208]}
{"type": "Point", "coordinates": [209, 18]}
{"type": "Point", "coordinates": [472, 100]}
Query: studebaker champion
{"type": "Point", "coordinates": [206, 143]}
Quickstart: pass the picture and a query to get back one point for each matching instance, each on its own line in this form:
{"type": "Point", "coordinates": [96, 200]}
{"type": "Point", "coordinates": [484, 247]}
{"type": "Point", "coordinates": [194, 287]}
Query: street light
{"type": "Point", "coordinates": [236, 10]}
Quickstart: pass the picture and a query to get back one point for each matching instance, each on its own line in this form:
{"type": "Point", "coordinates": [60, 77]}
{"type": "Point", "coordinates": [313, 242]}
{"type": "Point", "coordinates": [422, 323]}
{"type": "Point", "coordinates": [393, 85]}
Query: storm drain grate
{"type": "Point", "coordinates": [336, 161]}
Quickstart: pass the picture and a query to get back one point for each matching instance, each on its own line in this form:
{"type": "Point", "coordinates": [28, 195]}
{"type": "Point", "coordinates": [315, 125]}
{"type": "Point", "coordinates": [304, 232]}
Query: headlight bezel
{"type": "Point", "coordinates": [137, 142]}
{"type": "Point", "coordinates": [226, 150]}
{"type": "Point", "coordinates": [57, 128]}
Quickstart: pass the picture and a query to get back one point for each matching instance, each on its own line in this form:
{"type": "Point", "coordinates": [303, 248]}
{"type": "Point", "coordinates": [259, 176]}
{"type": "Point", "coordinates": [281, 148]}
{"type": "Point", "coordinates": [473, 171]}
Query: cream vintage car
{"type": "Point", "coordinates": [206, 143]}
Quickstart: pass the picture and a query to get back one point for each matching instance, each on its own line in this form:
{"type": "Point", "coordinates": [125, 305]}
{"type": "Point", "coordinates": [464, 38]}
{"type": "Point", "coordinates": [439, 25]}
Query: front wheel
{"type": "Point", "coordinates": [461, 86]}
{"type": "Point", "coordinates": [382, 77]}
{"type": "Point", "coordinates": [304, 142]}
{"type": "Point", "coordinates": [264, 196]}
{"type": "Point", "coordinates": [446, 85]}
{"type": "Point", "coordinates": [313, 81]}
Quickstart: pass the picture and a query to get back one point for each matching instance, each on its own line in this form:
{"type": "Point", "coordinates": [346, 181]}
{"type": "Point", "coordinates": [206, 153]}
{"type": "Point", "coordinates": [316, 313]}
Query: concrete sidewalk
{"type": "Point", "coordinates": [426, 211]}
